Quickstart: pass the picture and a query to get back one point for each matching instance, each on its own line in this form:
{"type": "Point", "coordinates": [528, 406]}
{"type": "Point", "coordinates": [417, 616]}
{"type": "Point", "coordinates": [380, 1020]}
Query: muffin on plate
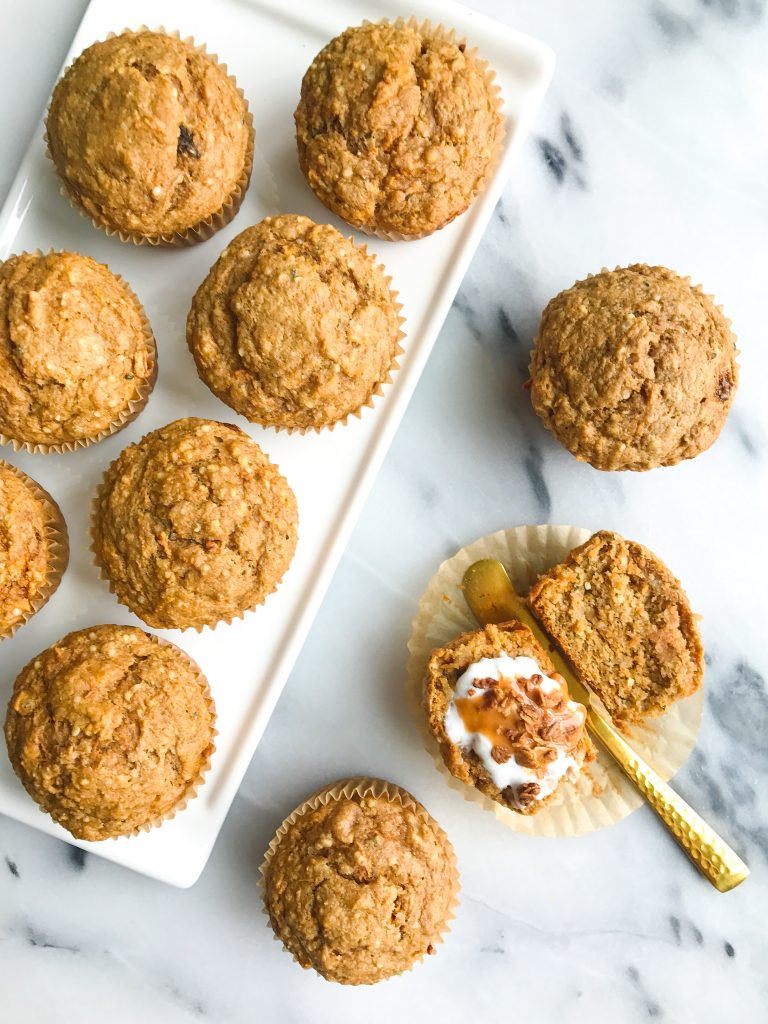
{"type": "Point", "coordinates": [625, 623]}
{"type": "Point", "coordinates": [295, 326]}
{"type": "Point", "coordinates": [193, 525]}
{"type": "Point", "coordinates": [33, 548]}
{"type": "Point", "coordinates": [360, 882]}
{"type": "Point", "coordinates": [151, 138]}
{"type": "Point", "coordinates": [634, 368]}
{"type": "Point", "coordinates": [397, 127]}
{"type": "Point", "coordinates": [77, 355]}
{"type": "Point", "coordinates": [503, 717]}
{"type": "Point", "coordinates": [110, 730]}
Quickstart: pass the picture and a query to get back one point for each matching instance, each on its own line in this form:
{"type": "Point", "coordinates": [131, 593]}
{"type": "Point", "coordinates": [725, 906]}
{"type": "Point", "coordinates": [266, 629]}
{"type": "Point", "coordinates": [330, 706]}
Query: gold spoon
{"type": "Point", "coordinates": [491, 597]}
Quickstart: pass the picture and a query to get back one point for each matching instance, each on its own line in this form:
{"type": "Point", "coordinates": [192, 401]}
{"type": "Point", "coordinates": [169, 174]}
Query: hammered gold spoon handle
{"type": "Point", "coordinates": [491, 597]}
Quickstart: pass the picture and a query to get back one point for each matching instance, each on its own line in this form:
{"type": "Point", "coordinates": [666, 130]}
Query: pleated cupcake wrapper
{"type": "Point", "coordinates": [344, 789]}
{"type": "Point", "coordinates": [57, 542]}
{"type": "Point", "coordinates": [447, 35]}
{"type": "Point", "coordinates": [602, 795]}
{"type": "Point", "coordinates": [205, 228]}
{"type": "Point", "coordinates": [126, 415]}
{"type": "Point", "coordinates": [104, 575]}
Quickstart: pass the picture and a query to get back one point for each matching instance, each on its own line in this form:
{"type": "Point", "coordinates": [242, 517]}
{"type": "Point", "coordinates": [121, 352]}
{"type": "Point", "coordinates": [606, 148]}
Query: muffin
{"type": "Point", "coordinates": [77, 356]}
{"type": "Point", "coordinates": [33, 548]}
{"type": "Point", "coordinates": [151, 138]}
{"type": "Point", "coordinates": [634, 368]}
{"type": "Point", "coordinates": [193, 525]}
{"type": "Point", "coordinates": [110, 730]}
{"type": "Point", "coordinates": [295, 326]}
{"type": "Point", "coordinates": [397, 127]}
{"type": "Point", "coordinates": [360, 882]}
{"type": "Point", "coordinates": [625, 623]}
{"type": "Point", "coordinates": [503, 718]}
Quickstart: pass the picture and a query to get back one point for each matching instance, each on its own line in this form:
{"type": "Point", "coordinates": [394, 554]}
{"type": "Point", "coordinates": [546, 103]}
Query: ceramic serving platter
{"type": "Point", "coordinates": [267, 46]}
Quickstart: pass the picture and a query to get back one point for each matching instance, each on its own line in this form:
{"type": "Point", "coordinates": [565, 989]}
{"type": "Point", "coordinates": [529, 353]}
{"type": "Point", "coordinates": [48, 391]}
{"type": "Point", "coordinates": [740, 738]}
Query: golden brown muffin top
{"type": "Point", "coordinates": [294, 326]}
{"type": "Point", "coordinates": [625, 623]}
{"type": "Point", "coordinates": [493, 693]}
{"type": "Point", "coordinates": [73, 348]}
{"type": "Point", "coordinates": [24, 550]}
{"type": "Point", "coordinates": [148, 133]}
{"type": "Point", "coordinates": [361, 888]}
{"type": "Point", "coordinates": [396, 128]}
{"type": "Point", "coordinates": [194, 525]}
{"type": "Point", "coordinates": [109, 729]}
{"type": "Point", "coordinates": [634, 368]}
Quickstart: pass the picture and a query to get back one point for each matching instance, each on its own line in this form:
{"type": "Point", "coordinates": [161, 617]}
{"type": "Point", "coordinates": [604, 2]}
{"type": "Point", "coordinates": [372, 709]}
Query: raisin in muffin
{"type": "Point", "coordinates": [625, 623]}
{"type": "Point", "coordinates": [360, 882]}
{"type": "Point", "coordinates": [295, 326]}
{"type": "Point", "coordinates": [77, 356]}
{"type": "Point", "coordinates": [634, 368]}
{"type": "Point", "coordinates": [194, 525]}
{"type": "Point", "coordinates": [503, 717]}
{"type": "Point", "coordinates": [151, 138]}
{"type": "Point", "coordinates": [397, 127]}
{"type": "Point", "coordinates": [110, 730]}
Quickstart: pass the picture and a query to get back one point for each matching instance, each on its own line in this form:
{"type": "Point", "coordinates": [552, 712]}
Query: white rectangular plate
{"type": "Point", "coordinates": [267, 45]}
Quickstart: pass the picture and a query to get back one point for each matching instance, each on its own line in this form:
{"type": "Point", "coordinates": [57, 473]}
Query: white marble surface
{"type": "Point", "coordinates": [652, 146]}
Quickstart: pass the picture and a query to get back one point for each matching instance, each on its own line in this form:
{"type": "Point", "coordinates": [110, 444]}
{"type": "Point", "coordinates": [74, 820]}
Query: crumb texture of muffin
{"type": "Point", "coordinates": [396, 128]}
{"type": "Point", "coordinates": [503, 717]}
{"type": "Point", "coordinates": [149, 134]}
{"type": "Point", "coordinates": [109, 730]}
{"type": "Point", "coordinates": [25, 547]}
{"type": "Point", "coordinates": [634, 368]}
{"type": "Point", "coordinates": [625, 623]}
{"type": "Point", "coordinates": [75, 351]}
{"type": "Point", "coordinates": [361, 887]}
{"type": "Point", "coordinates": [194, 525]}
{"type": "Point", "coordinates": [295, 326]}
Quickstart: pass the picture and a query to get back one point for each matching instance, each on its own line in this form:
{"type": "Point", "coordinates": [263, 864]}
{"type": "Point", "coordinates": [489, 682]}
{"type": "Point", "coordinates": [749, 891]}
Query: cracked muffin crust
{"type": "Point", "coordinates": [634, 368]}
{"type": "Point", "coordinates": [149, 135]}
{"type": "Point", "coordinates": [295, 326]}
{"type": "Point", "coordinates": [29, 569]}
{"type": "Point", "coordinates": [110, 730]}
{"type": "Point", "coordinates": [503, 717]}
{"type": "Point", "coordinates": [396, 127]}
{"type": "Point", "coordinates": [625, 623]}
{"type": "Point", "coordinates": [362, 883]}
{"type": "Point", "coordinates": [194, 525]}
{"type": "Point", "coordinates": [77, 357]}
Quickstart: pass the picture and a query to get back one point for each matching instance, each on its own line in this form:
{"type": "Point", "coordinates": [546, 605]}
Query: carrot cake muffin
{"type": "Point", "coordinates": [110, 730]}
{"type": "Point", "coordinates": [397, 127]}
{"type": "Point", "coordinates": [625, 623]}
{"type": "Point", "coordinates": [634, 368]}
{"type": "Point", "coordinates": [295, 326]}
{"type": "Point", "coordinates": [150, 136]}
{"type": "Point", "coordinates": [194, 525]}
{"type": "Point", "coordinates": [33, 547]}
{"type": "Point", "coordinates": [77, 358]}
{"type": "Point", "coordinates": [360, 887]}
{"type": "Point", "coordinates": [503, 717]}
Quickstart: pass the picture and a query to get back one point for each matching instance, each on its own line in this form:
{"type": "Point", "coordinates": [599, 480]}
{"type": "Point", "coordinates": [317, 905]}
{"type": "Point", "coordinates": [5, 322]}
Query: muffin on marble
{"type": "Point", "coordinates": [625, 623]}
{"type": "Point", "coordinates": [360, 882]}
{"type": "Point", "coordinates": [110, 730]}
{"type": "Point", "coordinates": [33, 548]}
{"type": "Point", "coordinates": [151, 138]}
{"type": "Point", "coordinates": [77, 355]}
{"type": "Point", "coordinates": [634, 368]}
{"type": "Point", "coordinates": [295, 326]}
{"type": "Point", "coordinates": [193, 525]}
{"type": "Point", "coordinates": [397, 127]}
{"type": "Point", "coordinates": [503, 717]}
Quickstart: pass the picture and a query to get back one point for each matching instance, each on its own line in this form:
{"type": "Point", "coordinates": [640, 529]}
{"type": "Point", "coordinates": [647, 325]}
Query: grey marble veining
{"type": "Point", "coordinates": [652, 146]}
